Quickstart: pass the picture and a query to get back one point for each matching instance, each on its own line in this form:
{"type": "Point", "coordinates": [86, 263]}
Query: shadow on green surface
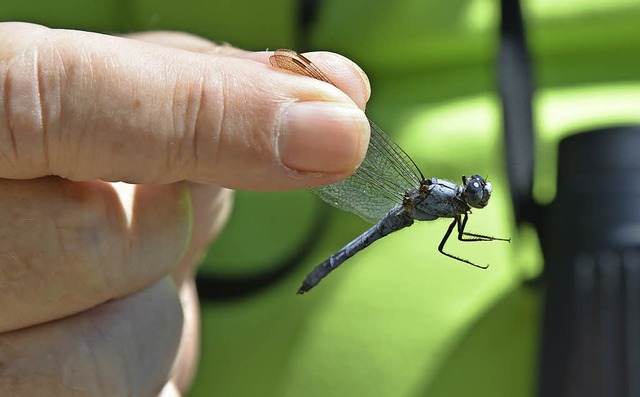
{"type": "Point", "coordinates": [498, 354]}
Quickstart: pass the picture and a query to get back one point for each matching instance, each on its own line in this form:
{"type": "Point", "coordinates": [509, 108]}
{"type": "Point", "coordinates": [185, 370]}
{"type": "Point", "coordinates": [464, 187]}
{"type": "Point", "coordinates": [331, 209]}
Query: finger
{"type": "Point", "coordinates": [123, 347]}
{"type": "Point", "coordinates": [95, 242]}
{"type": "Point", "coordinates": [345, 74]}
{"type": "Point", "coordinates": [86, 106]}
{"type": "Point", "coordinates": [211, 207]}
{"type": "Point", "coordinates": [186, 363]}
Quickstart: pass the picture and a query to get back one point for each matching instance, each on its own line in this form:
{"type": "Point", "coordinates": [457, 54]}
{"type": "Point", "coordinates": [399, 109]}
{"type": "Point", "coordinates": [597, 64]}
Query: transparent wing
{"type": "Point", "coordinates": [379, 184]}
{"type": "Point", "coordinates": [386, 173]}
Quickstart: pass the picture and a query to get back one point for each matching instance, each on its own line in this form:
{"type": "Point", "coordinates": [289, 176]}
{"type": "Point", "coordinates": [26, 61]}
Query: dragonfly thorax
{"type": "Point", "coordinates": [442, 201]}
{"type": "Point", "coordinates": [446, 199]}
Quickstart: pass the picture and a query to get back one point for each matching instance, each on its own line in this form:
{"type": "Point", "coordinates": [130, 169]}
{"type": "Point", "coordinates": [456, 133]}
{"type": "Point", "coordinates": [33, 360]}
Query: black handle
{"type": "Point", "coordinates": [590, 238]}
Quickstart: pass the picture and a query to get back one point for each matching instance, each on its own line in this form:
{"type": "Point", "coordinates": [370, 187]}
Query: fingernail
{"type": "Point", "coordinates": [322, 137]}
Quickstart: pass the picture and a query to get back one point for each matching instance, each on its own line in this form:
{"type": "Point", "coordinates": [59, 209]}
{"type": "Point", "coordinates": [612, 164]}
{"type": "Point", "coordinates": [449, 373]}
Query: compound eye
{"type": "Point", "coordinates": [477, 191]}
{"type": "Point", "coordinates": [474, 192]}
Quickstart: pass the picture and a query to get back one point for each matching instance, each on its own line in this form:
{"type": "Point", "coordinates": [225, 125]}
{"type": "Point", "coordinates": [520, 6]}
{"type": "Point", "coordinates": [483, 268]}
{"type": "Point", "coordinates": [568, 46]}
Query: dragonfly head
{"type": "Point", "coordinates": [476, 191]}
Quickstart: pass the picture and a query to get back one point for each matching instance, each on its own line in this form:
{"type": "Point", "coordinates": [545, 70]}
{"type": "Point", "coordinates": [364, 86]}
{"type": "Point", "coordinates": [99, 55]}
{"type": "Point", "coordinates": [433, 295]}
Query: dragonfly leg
{"type": "Point", "coordinates": [474, 236]}
{"type": "Point", "coordinates": [456, 221]}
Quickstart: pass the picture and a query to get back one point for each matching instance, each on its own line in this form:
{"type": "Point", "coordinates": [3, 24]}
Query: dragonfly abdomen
{"type": "Point", "coordinates": [395, 220]}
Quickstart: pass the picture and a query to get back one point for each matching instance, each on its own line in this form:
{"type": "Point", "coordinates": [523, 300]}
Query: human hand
{"type": "Point", "coordinates": [96, 276]}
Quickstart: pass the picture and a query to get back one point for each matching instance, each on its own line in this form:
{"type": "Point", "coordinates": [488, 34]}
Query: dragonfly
{"type": "Point", "coordinates": [390, 191]}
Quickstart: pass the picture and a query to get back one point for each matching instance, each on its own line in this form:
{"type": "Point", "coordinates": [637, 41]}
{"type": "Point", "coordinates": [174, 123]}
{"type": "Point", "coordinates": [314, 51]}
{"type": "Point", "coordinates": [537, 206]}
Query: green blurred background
{"type": "Point", "coordinates": [398, 319]}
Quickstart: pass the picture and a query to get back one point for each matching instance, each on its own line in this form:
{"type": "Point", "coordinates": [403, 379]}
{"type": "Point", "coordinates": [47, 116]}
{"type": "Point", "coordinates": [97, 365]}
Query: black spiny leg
{"type": "Point", "coordinates": [475, 237]}
{"type": "Point", "coordinates": [457, 221]}
{"type": "Point", "coordinates": [462, 223]}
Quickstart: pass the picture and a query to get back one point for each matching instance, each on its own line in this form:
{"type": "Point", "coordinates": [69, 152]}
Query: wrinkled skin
{"type": "Point", "coordinates": [97, 276]}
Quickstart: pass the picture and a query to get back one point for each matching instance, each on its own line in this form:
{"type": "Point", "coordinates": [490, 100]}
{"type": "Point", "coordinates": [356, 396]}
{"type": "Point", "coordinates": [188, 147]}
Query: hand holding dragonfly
{"type": "Point", "coordinates": [176, 116]}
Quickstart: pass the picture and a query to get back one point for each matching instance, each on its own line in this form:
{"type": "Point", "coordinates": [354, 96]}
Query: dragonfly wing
{"type": "Point", "coordinates": [379, 184]}
{"type": "Point", "coordinates": [354, 196]}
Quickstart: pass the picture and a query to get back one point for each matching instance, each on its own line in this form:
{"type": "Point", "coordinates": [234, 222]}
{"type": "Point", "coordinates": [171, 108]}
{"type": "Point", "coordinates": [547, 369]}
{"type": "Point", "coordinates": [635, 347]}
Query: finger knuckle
{"type": "Point", "coordinates": [31, 90]}
{"type": "Point", "coordinates": [197, 114]}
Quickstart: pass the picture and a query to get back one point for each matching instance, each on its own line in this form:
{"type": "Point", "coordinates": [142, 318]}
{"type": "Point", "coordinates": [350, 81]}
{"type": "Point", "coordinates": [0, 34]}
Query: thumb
{"type": "Point", "coordinates": [88, 106]}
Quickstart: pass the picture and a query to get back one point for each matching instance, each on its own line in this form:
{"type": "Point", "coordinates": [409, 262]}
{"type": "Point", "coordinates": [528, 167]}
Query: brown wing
{"type": "Point", "coordinates": [297, 64]}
